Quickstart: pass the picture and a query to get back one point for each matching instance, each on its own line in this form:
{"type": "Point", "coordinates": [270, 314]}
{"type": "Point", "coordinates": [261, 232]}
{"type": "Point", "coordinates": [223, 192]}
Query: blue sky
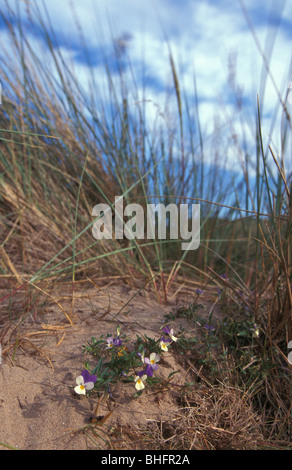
{"type": "Point", "coordinates": [205, 37]}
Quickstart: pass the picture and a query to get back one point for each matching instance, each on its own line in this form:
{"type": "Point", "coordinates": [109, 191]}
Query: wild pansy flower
{"type": "Point", "coordinates": [117, 342]}
{"type": "Point", "coordinates": [209, 328]}
{"type": "Point", "coordinates": [151, 364]}
{"type": "Point", "coordinates": [139, 379]}
{"type": "Point", "coordinates": [169, 332]}
{"type": "Point", "coordinates": [85, 381]}
{"type": "Point", "coordinates": [199, 291]}
{"type": "Point", "coordinates": [163, 344]}
{"type": "Point", "coordinates": [111, 342]}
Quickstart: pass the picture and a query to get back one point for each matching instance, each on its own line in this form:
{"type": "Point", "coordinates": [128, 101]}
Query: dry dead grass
{"type": "Point", "coordinates": [217, 418]}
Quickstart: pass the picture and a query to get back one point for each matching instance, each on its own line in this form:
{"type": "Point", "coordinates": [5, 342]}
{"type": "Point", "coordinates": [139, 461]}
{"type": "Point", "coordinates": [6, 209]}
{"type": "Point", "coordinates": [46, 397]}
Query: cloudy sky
{"type": "Point", "coordinates": [211, 43]}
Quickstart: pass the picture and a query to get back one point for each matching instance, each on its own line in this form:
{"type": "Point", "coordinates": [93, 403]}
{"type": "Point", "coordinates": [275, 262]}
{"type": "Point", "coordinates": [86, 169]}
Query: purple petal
{"type": "Point", "coordinates": [166, 330]}
{"type": "Point", "coordinates": [141, 373]}
{"type": "Point", "coordinates": [117, 342]}
{"type": "Point", "coordinates": [165, 340]}
{"type": "Point", "coordinates": [87, 377]}
{"type": "Point", "coordinates": [209, 327]}
{"type": "Point", "coordinates": [149, 371]}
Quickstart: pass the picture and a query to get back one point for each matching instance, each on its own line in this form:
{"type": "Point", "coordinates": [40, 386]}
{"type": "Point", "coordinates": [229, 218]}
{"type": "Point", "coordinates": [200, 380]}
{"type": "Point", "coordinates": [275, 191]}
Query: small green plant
{"type": "Point", "coordinates": [236, 334]}
{"type": "Point", "coordinates": [233, 348]}
{"type": "Point", "coordinates": [190, 312]}
{"type": "Point", "coordinates": [119, 360]}
{"type": "Point", "coordinates": [186, 343]}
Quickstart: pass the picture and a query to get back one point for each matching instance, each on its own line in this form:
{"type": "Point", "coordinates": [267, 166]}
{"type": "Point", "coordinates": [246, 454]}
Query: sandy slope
{"type": "Point", "coordinates": [38, 408]}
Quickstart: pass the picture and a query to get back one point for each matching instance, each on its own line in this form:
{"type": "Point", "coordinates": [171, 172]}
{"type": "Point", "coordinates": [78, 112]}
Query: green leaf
{"type": "Point", "coordinates": [172, 374]}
